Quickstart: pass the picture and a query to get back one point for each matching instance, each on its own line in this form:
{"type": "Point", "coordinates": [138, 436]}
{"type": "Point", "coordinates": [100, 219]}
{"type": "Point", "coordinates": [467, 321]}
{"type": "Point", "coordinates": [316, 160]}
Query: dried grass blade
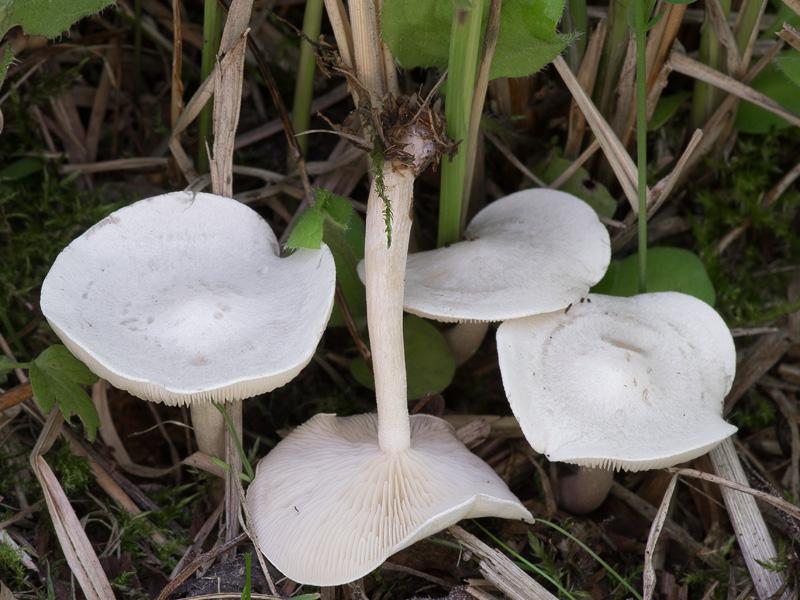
{"type": "Point", "coordinates": [791, 35]}
{"type": "Point", "coordinates": [227, 104]}
{"type": "Point", "coordinates": [620, 160]}
{"type": "Point", "coordinates": [337, 15]}
{"type": "Point", "coordinates": [748, 523]}
{"type": "Point", "coordinates": [649, 574]}
{"type": "Point", "coordinates": [500, 570]}
{"type": "Point", "coordinates": [794, 5]}
{"type": "Point", "coordinates": [587, 74]}
{"type": "Point", "coordinates": [692, 68]}
{"type": "Point", "coordinates": [719, 22]}
{"type": "Point", "coordinates": [79, 553]}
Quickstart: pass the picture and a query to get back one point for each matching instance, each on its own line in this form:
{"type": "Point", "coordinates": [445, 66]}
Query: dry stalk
{"type": "Point", "coordinates": [587, 74]}
{"type": "Point", "coordinates": [657, 525]}
{"type": "Point", "coordinates": [499, 570]}
{"type": "Point", "coordinates": [748, 523]}
{"type": "Point", "coordinates": [615, 153]}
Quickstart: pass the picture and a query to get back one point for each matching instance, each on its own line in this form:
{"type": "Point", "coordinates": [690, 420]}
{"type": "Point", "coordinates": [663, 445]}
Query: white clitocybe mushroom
{"type": "Point", "coordinates": [534, 251]}
{"type": "Point", "coordinates": [184, 299]}
{"type": "Point", "coordinates": [620, 383]}
{"type": "Point", "coordinates": [338, 496]}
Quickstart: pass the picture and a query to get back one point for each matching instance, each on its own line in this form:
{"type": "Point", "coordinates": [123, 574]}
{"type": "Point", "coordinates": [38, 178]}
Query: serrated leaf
{"type": "Point", "coordinates": [668, 270]}
{"type": "Point", "coordinates": [335, 209]}
{"type": "Point", "coordinates": [430, 365]}
{"type": "Point", "coordinates": [56, 375]}
{"type": "Point", "coordinates": [49, 18]}
{"type": "Point", "coordinates": [418, 34]}
{"type": "Point", "coordinates": [307, 230]}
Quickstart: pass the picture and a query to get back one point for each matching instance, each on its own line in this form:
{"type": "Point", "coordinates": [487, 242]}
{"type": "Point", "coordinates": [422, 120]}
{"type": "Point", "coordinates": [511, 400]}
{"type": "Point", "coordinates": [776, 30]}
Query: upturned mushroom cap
{"type": "Point", "coordinates": [534, 251]}
{"type": "Point", "coordinates": [328, 506]}
{"type": "Point", "coordinates": [622, 383]}
{"type": "Point", "coordinates": [184, 297]}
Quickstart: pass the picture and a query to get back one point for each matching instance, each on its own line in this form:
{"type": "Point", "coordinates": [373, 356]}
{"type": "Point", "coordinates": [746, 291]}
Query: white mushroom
{"type": "Point", "coordinates": [353, 505]}
{"type": "Point", "coordinates": [184, 299]}
{"type": "Point", "coordinates": [534, 251]}
{"type": "Point", "coordinates": [620, 383]}
{"type": "Point", "coordinates": [339, 495]}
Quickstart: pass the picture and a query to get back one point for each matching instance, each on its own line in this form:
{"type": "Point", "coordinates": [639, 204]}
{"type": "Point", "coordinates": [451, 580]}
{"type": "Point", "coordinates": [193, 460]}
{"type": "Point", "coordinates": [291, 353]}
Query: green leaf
{"type": "Point", "coordinates": [20, 169]}
{"type": "Point", "coordinates": [307, 230]}
{"type": "Point", "coordinates": [5, 62]}
{"type": "Point", "coordinates": [347, 248]}
{"type": "Point", "coordinates": [430, 365]}
{"type": "Point", "coordinates": [668, 270]}
{"type": "Point", "coordinates": [580, 184]}
{"type": "Point", "coordinates": [418, 34]}
{"type": "Point", "coordinates": [780, 80]}
{"type": "Point", "coordinates": [335, 209]}
{"type": "Point", "coordinates": [666, 108]}
{"type": "Point", "coordinates": [56, 375]}
{"type": "Point", "coordinates": [49, 18]}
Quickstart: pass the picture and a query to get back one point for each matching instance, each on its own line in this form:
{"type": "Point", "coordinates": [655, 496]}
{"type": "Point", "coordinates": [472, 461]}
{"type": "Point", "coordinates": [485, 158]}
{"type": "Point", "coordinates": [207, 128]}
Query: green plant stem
{"type": "Point", "coordinates": [304, 86]}
{"type": "Point", "coordinates": [576, 21]}
{"type": "Point", "coordinates": [232, 429]}
{"type": "Point", "coordinates": [640, 20]}
{"type": "Point", "coordinates": [706, 97]}
{"type": "Point", "coordinates": [608, 567]}
{"type": "Point", "coordinates": [212, 32]}
{"type": "Point", "coordinates": [462, 69]}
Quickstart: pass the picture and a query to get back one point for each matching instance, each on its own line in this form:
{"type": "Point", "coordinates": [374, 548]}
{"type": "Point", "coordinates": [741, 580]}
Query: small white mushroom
{"type": "Point", "coordinates": [353, 505]}
{"type": "Point", "coordinates": [184, 299]}
{"type": "Point", "coordinates": [534, 251]}
{"type": "Point", "coordinates": [620, 383]}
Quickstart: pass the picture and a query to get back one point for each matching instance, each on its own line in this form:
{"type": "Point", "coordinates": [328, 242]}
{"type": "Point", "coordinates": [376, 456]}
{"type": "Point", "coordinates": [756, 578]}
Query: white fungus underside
{"type": "Point", "coordinates": [328, 506]}
{"type": "Point", "coordinates": [184, 296]}
{"type": "Point", "coordinates": [625, 383]}
{"type": "Point", "coordinates": [533, 251]}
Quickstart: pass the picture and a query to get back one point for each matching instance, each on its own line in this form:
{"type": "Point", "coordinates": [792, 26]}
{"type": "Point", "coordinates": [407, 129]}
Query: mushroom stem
{"type": "Point", "coordinates": [465, 338]}
{"type": "Point", "coordinates": [209, 428]}
{"type": "Point", "coordinates": [584, 490]}
{"type": "Point", "coordinates": [385, 265]}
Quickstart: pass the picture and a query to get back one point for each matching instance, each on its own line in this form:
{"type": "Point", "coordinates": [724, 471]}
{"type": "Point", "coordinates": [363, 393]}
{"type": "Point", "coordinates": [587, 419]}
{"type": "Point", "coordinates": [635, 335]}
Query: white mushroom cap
{"type": "Point", "coordinates": [328, 506]}
{"type": "Point", "coordinates": [624, 383]}
{"type": "Point", "coordinates": [184, 296]}
{"type": "Point", "coordinates": [534, 251]}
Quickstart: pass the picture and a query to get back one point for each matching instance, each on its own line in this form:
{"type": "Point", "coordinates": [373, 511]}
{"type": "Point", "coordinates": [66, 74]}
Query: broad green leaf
{"type": "Point", "coordinates": [56, 375]}
{"type": "Point", "coordinates": [418, 34]}
{"type": "Point", "coordinates": [49, 18]}
{"type": "Point", "coordinates": [668, 270]}
{"type": "Point", "coordinates": [348, 250]}
{"type": "Point", "coordinates": [20, 169]}
{"type": "Point", "coordinates": [430, 365]}
{"type": "Point", "coordinates": [307, 230]}
{"type": "Point", "coordinates": [666, 108]}
{"type": "Point", "coordinates": [580, 184]}
{"type": "Point", "coordinates": [335, 209]}
{"type": "Point", "coordinates": [780, 80]}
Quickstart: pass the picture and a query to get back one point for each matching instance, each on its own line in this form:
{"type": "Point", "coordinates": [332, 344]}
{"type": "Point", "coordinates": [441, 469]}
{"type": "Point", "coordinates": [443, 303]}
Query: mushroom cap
{"type": "Point", "coordinates": [624, 383]}
{"type": "Point", "coordinates": [184, 297]}
{"type": "Point", "coordinates": [534, 251]}
{"type": "Point", "coordinates": [328, 506]}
